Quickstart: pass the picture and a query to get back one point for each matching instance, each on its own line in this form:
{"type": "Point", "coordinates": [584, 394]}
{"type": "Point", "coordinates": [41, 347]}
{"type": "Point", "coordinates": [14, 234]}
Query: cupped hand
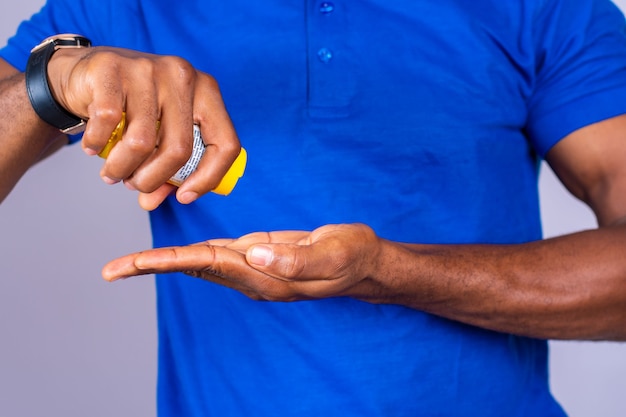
{"type": "Point", "coordinates": [333, 260]}
{"type": "Point", "coordinates": [100, 83]}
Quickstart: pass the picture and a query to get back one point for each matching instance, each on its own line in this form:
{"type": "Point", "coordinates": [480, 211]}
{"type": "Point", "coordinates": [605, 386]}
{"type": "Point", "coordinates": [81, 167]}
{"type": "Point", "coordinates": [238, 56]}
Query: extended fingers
{"type": "Point", "coordinates": [244, 242]}
{"type": "Point", "coordinates": [212, 263]}
{"type": "Point", "coordinates": [202, 258]}
{"type": "Point", "coordinates": [294, 272]}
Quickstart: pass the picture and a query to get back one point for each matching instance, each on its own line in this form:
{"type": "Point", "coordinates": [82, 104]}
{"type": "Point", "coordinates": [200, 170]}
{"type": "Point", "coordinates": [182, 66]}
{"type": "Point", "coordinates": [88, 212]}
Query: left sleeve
{"type": "Point", "coordinates": [580, 69]}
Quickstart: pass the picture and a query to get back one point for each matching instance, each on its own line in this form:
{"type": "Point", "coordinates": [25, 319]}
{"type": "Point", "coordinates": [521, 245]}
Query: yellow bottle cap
{"type": "Point", "coordinates": [235, 172]}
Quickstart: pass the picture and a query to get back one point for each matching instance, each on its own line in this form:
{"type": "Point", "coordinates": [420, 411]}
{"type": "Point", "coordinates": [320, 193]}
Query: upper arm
{"type": "Point", "coordinates": [591, 163]}
{"type": "Point", "coordinates": [578, 93]}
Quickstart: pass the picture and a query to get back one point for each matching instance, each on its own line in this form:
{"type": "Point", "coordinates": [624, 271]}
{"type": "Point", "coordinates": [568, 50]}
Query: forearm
{"type": "Point", "coordinates": [571, 287]}
{"type": "Point", "coordinates": [25, 139]}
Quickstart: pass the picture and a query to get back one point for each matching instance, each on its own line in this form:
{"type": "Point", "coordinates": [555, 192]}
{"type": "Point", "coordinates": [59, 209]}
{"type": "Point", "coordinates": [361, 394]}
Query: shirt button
{"type": "Point", "coordinates": [324, 55]}
{"type": "Point", "coordinates": [327, 7]}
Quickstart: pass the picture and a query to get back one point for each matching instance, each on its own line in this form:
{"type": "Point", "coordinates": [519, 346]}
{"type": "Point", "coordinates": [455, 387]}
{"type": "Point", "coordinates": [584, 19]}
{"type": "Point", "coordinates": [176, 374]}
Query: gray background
{"type": "Point", "coordinates": [74, 345]}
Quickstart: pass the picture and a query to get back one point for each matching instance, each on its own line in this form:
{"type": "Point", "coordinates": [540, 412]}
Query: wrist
{"type": "Point", "coordinates": [38, 86]}
{"type": "Point", "coordinates": [59, 76]}
{"type": "Point", "coordinates": [372, 265]}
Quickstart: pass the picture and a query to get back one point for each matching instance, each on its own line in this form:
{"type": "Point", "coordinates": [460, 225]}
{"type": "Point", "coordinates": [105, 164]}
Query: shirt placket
{"type": "Point", "coordinates": [331, 77]}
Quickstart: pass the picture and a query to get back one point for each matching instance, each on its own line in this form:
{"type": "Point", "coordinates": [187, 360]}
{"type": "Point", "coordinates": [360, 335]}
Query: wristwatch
{"type": "Point", "coordinates": [39, 94]}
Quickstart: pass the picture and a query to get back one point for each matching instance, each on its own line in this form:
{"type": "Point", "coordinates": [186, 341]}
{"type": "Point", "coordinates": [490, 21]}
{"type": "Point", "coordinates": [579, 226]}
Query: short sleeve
{"type": "Point", "coordinates": [580, 69]}
{"type": "Point", "coordinates": [56, 16]}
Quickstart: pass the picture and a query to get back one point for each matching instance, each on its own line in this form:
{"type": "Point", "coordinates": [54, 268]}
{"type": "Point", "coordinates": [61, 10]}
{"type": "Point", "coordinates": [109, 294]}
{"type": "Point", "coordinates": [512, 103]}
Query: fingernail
{"type": "Point", "coordinates": [129, 186]}
{"type": "Point", "coordinates": [90, 151]}
{"type": "Point", "coordinates": [188, 197]}
{"type": "Point", "coordinates": [109, 181]}
{"type": "Point", "coordinates": [261, 255]}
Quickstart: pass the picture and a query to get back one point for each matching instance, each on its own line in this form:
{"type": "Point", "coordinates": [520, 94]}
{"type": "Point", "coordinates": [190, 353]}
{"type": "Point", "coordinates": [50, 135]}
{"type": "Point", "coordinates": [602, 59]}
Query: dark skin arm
{"type": "Point", "coordinates": [570, 287]}
{"type": "Point", "coordinates": [25, 138]}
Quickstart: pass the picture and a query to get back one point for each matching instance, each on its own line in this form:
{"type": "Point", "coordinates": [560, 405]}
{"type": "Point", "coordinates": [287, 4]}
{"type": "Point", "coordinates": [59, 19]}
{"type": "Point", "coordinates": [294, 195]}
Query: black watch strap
{"type": "Point", "coordinates": [39, 93]}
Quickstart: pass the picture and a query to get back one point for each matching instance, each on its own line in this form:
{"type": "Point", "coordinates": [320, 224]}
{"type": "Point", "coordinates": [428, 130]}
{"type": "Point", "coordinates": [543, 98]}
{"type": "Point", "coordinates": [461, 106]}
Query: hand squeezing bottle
{"type": "Point", "coordinates": [226, 185]}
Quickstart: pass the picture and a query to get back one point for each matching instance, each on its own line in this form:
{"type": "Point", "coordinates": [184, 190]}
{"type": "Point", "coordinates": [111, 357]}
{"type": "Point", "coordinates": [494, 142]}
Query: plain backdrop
{"type": "Point", "coordinates": [73, 345]}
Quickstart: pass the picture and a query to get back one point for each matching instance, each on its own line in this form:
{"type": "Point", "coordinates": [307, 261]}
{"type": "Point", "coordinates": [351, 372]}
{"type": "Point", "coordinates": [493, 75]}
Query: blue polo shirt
{"type": "Point", "coordinates": [425, 120]}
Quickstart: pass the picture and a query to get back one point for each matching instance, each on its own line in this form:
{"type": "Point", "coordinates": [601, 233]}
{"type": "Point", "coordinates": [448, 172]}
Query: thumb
{"type": "Point", "coordinates": [282, 261]}
{"type": "Point", "coordinates": [260, 255]}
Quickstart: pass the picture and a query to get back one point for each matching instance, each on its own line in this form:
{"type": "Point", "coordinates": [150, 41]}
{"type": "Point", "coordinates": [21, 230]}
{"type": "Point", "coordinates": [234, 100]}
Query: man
{"type": "Point", "coordinates": [369, 125]}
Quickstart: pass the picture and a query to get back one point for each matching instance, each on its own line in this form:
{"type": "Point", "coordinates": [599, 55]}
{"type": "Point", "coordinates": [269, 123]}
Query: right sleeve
{"type": "Point", "coordinates": [91, 18]}
{"type": "Point", "coordinates": [60, 16]}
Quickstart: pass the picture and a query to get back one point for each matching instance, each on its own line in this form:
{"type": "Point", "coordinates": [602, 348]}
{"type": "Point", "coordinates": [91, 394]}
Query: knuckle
{"type": "Point", "coordinates": [142, 182]}
{"type": "Point", "coordinates": [231, 149]}
{"type": "Point", "coordinates": [145, 65]}
{"type": "Point", "coordinates": [210, 81]}
{"type": "Point", "coordinates": [139, 144]}
{"type": "Point", "coordinates": [180, 68]}
{"type": "Point", "coordinates": [122, 67]}
{"type": "Point", "coordinates": [207, 85]}
{"type": "Point", "coordinates": [100, 57]}
{"type": "Point", "coordinates": [109, 115]}
{"type": "Point", "coordinates": [180, 152]}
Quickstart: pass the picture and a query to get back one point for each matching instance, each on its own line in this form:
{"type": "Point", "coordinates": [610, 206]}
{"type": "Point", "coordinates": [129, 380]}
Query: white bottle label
{"type": "Point", "coordinates": [192, 163]}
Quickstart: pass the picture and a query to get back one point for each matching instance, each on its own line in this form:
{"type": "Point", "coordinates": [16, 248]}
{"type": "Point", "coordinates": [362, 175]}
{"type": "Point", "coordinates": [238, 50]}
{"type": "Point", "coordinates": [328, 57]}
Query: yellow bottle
{"type": "Point", "coordinates": [225, 186]}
